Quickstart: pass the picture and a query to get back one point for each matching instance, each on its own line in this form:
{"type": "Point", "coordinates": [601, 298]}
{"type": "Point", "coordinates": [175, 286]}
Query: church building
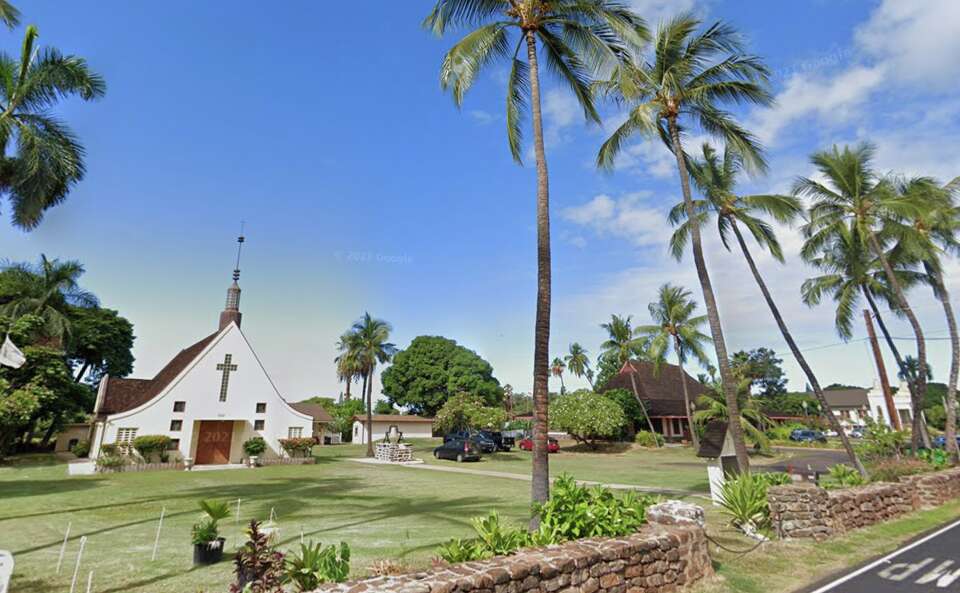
{"type": "Point", "coordinates": [209, 399]}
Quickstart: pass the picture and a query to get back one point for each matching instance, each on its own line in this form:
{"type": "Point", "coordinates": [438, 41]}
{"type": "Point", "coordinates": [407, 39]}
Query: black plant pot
{"type": "Point", "coordinates": [208, 553]}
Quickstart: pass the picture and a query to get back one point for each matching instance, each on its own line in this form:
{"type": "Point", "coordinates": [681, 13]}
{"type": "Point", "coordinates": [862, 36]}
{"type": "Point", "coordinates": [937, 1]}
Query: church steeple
{"type": "Point", "coordinates": [231, 311]}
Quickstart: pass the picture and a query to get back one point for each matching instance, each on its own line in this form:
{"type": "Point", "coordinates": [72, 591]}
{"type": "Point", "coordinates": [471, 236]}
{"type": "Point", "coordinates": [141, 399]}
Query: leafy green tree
{"type": "Point", "coordinates": [384, 407]}
{"type": "Point", "coordinates": [635, 412]}
{"type": "Point", "coordinates": [762, 367]}
{"type": "Point", "coordinates": [48, 289]}
{"type": "Point", "coordinates": [577, 38]}
{"type": "Point", "coordinates": [587, 417]}
{"type": "Point", "coordinates": [101, 342]}
{"type": "Point", "coordinates": [344, 414]}
{"type": "Point", "coordinates": [47, 158]}
{"type": "Point", "coordinates": [578, 362]}
{"type": "Point", "coordinates": [683, 86]}
{"type": "Point", "coordinates": [853, 194]}
{"type": "Point", "coordinates": [368, 338]}
{"type": "Point", "coordinates": [432, 369]}
{"type": "Point", "coordinates": [607, 368]}
{"type": "Point", "coordinates": [676, 327]}
{"type": "Point", "coordinates": [466, 411]}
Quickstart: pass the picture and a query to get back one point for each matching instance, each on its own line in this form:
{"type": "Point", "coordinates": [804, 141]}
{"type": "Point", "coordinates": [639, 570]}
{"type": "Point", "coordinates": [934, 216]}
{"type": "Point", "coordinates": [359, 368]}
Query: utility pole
{"type": "Point", "coordinates": [882, 370]}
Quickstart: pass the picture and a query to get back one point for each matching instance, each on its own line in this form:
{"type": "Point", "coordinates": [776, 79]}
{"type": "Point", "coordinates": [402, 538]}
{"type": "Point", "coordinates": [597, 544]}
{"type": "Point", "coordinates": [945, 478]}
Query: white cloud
{"type": "Point", "coordinates": [655, 11]}
{"type": "Point", "coordinates": [629, 217]}
{"type": "Point", "coordinates": [481, 117]}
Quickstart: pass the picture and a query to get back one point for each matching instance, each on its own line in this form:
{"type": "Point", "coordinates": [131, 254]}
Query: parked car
{"type": "Point", "coordinates": [458, 449]}
{"type": "Point", "coordinates": [856, 433]}
{"type": "Point", "coordinates": [484, 444]}
{"type": "Point", "coordinates": [503, 442]}
{"type": "Point", "coordinates": [553, 445]}
{"type": "Point", "coordinates": [941, 441]}
{"type": "Point", "coordinates": [807, 436]}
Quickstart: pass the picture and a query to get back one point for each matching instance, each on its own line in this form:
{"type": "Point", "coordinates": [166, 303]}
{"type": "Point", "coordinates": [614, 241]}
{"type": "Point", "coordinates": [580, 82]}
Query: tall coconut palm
{"type": "Point", "coordinates": [9, 15]}
{"type": "Point", "coordinates": [925, 238]}
{"type": "Point", "coordinates": [579, 363]}
{"type": "Point", "coordinates": [716, 177]}
{"type": "Point", "coordinates": [348, 364]}
{"type": "Point", "coordinates": [676, 327]}
{"type": "Point", "coordinates": [47, 159]}
{"type": "Point", "coordinates": [556, 369]}
{"type": "Point", "coordinates": [713, 408]}
{"type": "Point", "coordinates": [622, 345]}
{"type": "Point", "coordinates": [692, 74]}
{"type": "Point", "coordinates": [369, 338]}
{"type": "Point", "coordinates": [853, 193]}
{"type": "Point", "coordinates": [47, 289]}
{"type": "Point", "coordinates": [577, 38]}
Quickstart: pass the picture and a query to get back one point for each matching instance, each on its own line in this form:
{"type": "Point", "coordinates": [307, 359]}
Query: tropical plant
{"type": "Point", "coordinates": [712, 407]}
{"type": "Point", "coordinates": [9, 15]}
{"type": "Point", "coordinates": [676, 327]}
{"type": "Point", "coordinates": [258, 566]}
{"type": "Point", "coordinates": [254, 446]}
{"type": "Point", "coordinates": [368, 338]}
{"type": "Point", "coordinates": [842, 475]}
{"type": "Point", "coordinates": [937, 458]}
{"type": "Point", "coordinates": [891, 469]}
{"type": "Point", "coordinates": [691, 74]}
{"type": "Point", "coordinates": [587, 416]}
{"type": "Point", "coordinates": [853, 194]}
{"type": "Point", "coordinates": [645, 438]}
{"type": "Point", "coordinates": [623, 344]}
{"type": "Point", "coordinates": [577, 38]}
{"type": "Point", "coordinates": [465, 411]}
{"type": "Point", "coordinates": [743, 498]}
{"type": "Point", "coordinates": [556, 369]}
{"type": "Point", "coordinates": [315, 565]}
{"type": "Point", "coordinates": [347, 363]}
{"type": "Point", "coordinates": [578, 363]}
{"type": "Point", "coordinates": [206, 530]}
{"type": "Point", "coordinates": [47, 158]}
{"type": "Point", "coordinates": [881, 441]}
{"type": "Point", "coordinates": [48, 289]}
{"type": "Point", "coordinates": [717, 178]}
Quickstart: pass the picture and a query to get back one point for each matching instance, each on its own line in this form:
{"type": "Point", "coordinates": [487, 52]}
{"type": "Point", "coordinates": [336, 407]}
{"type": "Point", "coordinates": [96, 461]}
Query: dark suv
{"type": "Point", "coordinates": [457, 449]}
{"type": "Point", "coordinates": [503, 443]}
{"type": "Point", "coordinates": [484, 443]}
{"type": "Point", "coordinates": [807, 436]}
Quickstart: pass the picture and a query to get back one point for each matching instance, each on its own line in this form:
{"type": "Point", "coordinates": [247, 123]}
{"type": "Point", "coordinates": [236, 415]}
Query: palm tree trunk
{"type": "Point", "coordinates": [686, 395]}
{"type": "Point", "coordinates": [540, 487]}
{"type": "Point", "coordinates": [563, 388]}
{"type": "Point", "coordinates": [920, 393]}
{"type": "Point", "coordinates": [950, 434]}
{"type": "Point", "coordinates": [363, 388]}
{"type": "Point", "coordinates": [710, 301]}
{"type": "Point", "coordinates": [347, 394]}
{"type": "Point", "coordinates": [643, 407]}
{"type": "Point", "coordinates": [801, 360]}
{"type": "Point", "coordinates": [370, 411]}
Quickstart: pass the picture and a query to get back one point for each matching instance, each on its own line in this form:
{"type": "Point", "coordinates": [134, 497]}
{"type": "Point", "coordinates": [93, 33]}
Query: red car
{"type": "Point", "coordinates": [527, 445]}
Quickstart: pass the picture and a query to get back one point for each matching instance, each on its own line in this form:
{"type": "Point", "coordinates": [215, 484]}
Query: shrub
{"type": "Point", "coordinates": [842, 476]}
{"type": "Point", "coordinates": [645, 438]}
{"type": "Point", "coordinates": [258, 565]}
{"type": "Point", "coordinates": [297, 447]}
{"type": "Point", "coordinates": [150, 444]}
{"type": "Point", "coordinates": [207, 529]}
{"type": "Point", "coordinates": [891, 470]}
{"type": "Point", "coordinates": [315, 565]}
{"type": "Point", "coordinates": [937, 458]}
{"type": "Point", "coordinates": [111, 461]}
{"type": "Point", "coordinates": [587, 416]}
{"type": "Point", "coordinates": [255, 446]}
{"type": "Point", "coordinates": [81, 449]}
{"type": "Point", "coordinates": [466, 411]}
{"type": "Point", "coordinates": [880, 441]}
{"type": "Point", "coordinates": [774, 478]}
{"type": "Point", "coordinates": [110, 450]}
{"type": "Point", "coordinates": [781, 432]}
{"type": "Point", "coordinates": [743, 498]}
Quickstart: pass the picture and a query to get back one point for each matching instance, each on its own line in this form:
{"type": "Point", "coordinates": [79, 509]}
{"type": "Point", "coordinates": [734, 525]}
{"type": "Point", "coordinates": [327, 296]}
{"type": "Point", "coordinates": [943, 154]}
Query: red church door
{"type": "Point", "coordinates": [213, 443]}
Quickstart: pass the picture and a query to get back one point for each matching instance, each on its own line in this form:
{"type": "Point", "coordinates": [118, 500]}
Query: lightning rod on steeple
{"type": "Point", "coordinates": [240, 240]}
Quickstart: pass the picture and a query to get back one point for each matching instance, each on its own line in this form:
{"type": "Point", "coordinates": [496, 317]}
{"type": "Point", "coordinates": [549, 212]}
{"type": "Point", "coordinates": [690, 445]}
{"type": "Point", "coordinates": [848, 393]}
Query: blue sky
{"type": "Point", "coordinates": [322, 125]}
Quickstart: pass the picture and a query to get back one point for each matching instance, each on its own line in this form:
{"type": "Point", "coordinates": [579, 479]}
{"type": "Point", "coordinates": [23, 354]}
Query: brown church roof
{"type": "Point", "coordinates": [126, 394]}
{"type": "Point", "coordinates": [316, 411]}
{"type": "Point", "coordinates": [663, 392]}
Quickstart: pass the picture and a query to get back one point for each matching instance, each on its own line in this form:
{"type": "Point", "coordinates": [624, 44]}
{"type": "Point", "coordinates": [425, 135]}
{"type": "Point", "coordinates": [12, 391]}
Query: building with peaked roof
{"type": "Point", "coordinates": [209, 399]}
{"type": "Point", "coordinates": [661, 390]}
{"type": "Point", "coordinates": [854, 406]}
{"type": "Point", "coordinates": [412, 426]}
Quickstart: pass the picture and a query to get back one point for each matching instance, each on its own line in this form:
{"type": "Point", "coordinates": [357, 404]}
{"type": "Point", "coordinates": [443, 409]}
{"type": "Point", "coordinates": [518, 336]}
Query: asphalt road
{"type": "Point", "coordinates": [930, 563]}
{"type": "Point", "coordinates": [809, 461]}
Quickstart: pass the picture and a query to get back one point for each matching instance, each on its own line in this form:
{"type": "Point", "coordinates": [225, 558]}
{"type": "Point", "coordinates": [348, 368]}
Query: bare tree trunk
{"type": "Point", "coordinates": [950, 434]}
{"type": "Point", "coordinates": [347, 394]}
{"type": "Point", "coordinates": [540, 487]}
{"type": "Point", "coordinates": [710, 301]}
{"type": "Point", "coordinates": [643, 407]}
{"type": "Point", "coordinates": [797, 354]}
{"type": "Point", "coordinates": [919, 394]}
{"type": "Point", "coordinates": [83, 370]}
{"type": "Point", "coordinates": [686, 395]}
{"type": "Point", "coordinates": [563, 388]}
{"type": "Point", "coordinates": [370, 411]}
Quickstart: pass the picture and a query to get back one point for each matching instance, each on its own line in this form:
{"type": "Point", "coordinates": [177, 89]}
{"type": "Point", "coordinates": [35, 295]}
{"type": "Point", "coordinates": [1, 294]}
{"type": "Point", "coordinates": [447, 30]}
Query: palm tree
{"type": "Point", "coordinates": [348, 365]}
{"type": "Point", "coordinates": [931, 233]}
{"type": "Point", "coordinates": [9, 15]}
{"type": "Point", "coordinates": [717, 179]}
{"type": "Point", "coordinates": [577, 38]}
{"type": "Point", "coordinates": [854, 193]}
{"type": "Point", "coordinates": [369, 338]}
{"type": "Point", "coordinates": [691, 76]}
{"type": "Point", "coordinates": [47, 159]}
{"type": "Point", "coordinates": [675, 327]}
{"type": "Point", "coordinates": [713, 407]}
{"type": "Point", "coordinates": [556, 369]}
{"type": "Point", "coordinates": [47, 289]}
{"type": "Point", "coordinates": [579, 363]}
{"type": "Point", "coordinates": [622, 345]}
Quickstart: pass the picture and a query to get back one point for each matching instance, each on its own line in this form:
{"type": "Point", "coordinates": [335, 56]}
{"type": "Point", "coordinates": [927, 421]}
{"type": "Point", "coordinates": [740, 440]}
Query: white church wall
{"type": "Point", "coordinates": [199, 386]}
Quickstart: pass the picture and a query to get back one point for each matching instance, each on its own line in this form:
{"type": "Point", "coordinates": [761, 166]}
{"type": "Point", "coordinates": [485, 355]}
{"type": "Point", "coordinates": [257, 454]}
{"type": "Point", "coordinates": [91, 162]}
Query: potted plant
{"type": "Point", "coordinates": [207, 543]}
{"type": "Point", "coordinates": [254, 447]}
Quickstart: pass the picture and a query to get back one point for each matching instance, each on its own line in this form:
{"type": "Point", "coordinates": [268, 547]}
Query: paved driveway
{"type": "Point", "coordinates": [809, 461]}
{"type": "Point", "coordinates": [928, 564]}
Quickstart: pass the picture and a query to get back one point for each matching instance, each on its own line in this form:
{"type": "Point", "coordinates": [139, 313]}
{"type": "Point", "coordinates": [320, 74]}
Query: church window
{"type": "Point", "coordinates": [125, 436]}
{"type": "Point", "coordinates": [176, 425]}
{"type": "Point", "coordinates": [295, 432]}
{"type": "Point", "coordinates": [179, 406]}
{"type": "Point", "coordinates": [258, 424]}
{"type": "Point", "coordinates": [261, 407]}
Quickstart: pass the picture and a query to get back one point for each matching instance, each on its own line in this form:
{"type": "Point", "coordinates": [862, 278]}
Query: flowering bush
{"type": "Point", "coordinates": [297, 447]}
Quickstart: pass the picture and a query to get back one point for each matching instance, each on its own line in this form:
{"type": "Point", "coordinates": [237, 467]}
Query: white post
{"type": "Point", "coordinates": [76, 569]}
{"type": "Point", "coordinates": [301, 535]}
{"type": "Point", "coordinates": [90, 582]}
{"type": "Point", "coordinates": [63, 547]}
{"type": "Point", "coordinates": [273, 515]}
{"type": "Point", "coordinates": [237, 520]}
{"type": "Point", "coordinates": [156, 540]}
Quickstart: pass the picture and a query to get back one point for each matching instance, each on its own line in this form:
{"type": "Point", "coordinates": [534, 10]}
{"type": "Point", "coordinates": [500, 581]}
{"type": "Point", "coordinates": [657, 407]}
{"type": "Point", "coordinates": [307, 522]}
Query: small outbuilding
{"type": "Point", "coordinates": [412, 426]}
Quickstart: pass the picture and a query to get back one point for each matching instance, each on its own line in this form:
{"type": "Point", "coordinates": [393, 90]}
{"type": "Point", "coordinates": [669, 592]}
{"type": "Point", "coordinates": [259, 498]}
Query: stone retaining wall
{"type": "Point", "coordinates": [660, 558]}
{"type": "Point", "coordinates": [803, 510]}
